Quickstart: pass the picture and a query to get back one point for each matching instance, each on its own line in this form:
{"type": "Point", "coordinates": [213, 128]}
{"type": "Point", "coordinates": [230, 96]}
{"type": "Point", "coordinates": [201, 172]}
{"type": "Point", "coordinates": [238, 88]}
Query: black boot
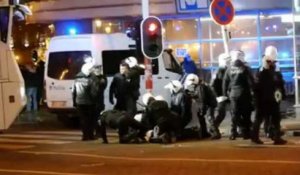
{"type": "Point", "coordinates": [279, 141]}
{"type": "Point", "coordinates": [233, 136]}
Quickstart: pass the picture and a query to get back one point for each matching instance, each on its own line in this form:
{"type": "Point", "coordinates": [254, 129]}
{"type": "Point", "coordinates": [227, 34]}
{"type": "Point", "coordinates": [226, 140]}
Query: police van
{"type": "Point", "coordinates": [66, 56]}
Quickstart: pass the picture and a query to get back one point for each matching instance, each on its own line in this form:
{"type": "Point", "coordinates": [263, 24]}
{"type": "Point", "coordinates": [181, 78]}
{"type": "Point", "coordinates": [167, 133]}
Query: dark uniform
{"type": "Point", "coordinates": [200, 105]}
{"type": "Point", "coordinates": [121, 121]}
{"type": "Point", "coordinates": [268, 109]}
{"type": "Point", "coordinates": [179, 106]}
{"type": "Point", "coordinates": [217, 85]}
{"type": "Point", "coordinates": [119, 90]}
{"type": "Point", "coordinates": [84, 101]}
{"type": "Point", "coordinates": [133, 77]}
{"type": "Point", "coordinates": [207, 110]}
{"type": "Point", "coordinates": [100, 82]}
{"type": "Point", "coordinates": [238, 85]}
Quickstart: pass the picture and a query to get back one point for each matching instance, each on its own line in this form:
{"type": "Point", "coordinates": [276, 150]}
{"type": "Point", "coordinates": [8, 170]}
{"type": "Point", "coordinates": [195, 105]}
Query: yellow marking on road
{"type": "Point", "coordinates": [156, 159]}
{"type": "Point", "coordinates": [38, 172]}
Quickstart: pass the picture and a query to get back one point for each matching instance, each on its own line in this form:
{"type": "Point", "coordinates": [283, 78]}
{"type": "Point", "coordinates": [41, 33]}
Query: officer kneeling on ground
{"type": "Point", "coordinates": [165, 124]}
{"type": "Point", "coordinates": [121, 121]}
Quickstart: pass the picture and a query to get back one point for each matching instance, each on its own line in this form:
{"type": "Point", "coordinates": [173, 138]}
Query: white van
{"type": "Point", "coordinates": [65, 58]}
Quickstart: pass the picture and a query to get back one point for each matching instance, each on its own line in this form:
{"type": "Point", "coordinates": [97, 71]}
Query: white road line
{"type": "Point", "coordinates": [15, 147]}
{"type": "Point", "coordinates": [78, 133]}
{"type": "Point", "coordinates": [241, 161]}
{"type": "Point", "coordinates": [294, 144]}
{"type": "Point", "coordinates": [38, 172]}
{"type": "Point", "coordinates": [35, 136]}
{"type": "Point", "coordinates": [56, 132]}
{"type": "Point", "coordinates": [32, 141]}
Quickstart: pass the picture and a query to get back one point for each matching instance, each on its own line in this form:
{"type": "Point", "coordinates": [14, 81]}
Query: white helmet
{"type": "Point", "coordinates": [87, 68]}
{"type": "Point", "coordinates": [149, 135]}
{"type": "Point", "coordinates": [131, 61]}
{"type": "Point", "coordinates": [138, 117]}
{"type": "Point", "coordinates": [271, 53]}
{"type": "Point", "coordinates": [174, 86]}
{"type": "Point", "coordinates": [224, 59]}
{"type": "Point", "coordinates": [159, 98]}
{"type": "Point", "coordinates": [191, 79]}
{"type": "Point", "coordinates": [237, 55]}
{"type": "Point", "coordinates": [88, 59]}
{"type": "Point", "coordinates": [146, 98]}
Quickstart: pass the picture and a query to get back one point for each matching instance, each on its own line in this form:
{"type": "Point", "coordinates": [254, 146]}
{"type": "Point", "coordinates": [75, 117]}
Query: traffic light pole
{"type": "Point", "coordinates": [145, 8]}
{"type": "Point", "coordinates": [147, 61]}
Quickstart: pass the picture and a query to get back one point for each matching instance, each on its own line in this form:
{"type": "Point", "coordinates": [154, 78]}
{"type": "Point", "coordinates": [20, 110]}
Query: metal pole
{"type": "Point", "coordinates": [225, 38]}
{"type": "Point", "coordinates": [145, 8]}
{"type": "Point", "coordinates": [147, 61]}
{"type": "Point", "coordinates": [295, 62]}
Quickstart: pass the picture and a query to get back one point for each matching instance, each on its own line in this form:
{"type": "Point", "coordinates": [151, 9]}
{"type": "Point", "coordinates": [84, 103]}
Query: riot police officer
{"type": "Point", "coordinates": [238, 85]}
{"type": "Point", "coordinates": [269, 91]}
{"type": "Point", "coordinates": [224, 62]}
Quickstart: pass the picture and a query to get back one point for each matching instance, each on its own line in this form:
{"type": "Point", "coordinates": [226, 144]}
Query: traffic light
{"type": "Point", "coordinates": [151, 37]}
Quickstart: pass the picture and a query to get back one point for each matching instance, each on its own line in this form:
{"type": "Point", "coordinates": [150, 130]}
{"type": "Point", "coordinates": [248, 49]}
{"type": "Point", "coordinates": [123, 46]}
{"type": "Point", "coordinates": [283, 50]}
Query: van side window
{"type": "Point", "coordinates": [111, 60]}
{"type": "Point", "coordinates": [170, 63]}
{"type": "Point", "coordinates": [65, 65]}
{"type": "Point", "coordinates": [4, 19]}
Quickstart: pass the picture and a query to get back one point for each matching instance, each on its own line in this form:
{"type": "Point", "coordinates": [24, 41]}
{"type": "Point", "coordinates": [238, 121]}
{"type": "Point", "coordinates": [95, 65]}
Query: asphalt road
{"type": "Point", "coordinates": [32, 150]}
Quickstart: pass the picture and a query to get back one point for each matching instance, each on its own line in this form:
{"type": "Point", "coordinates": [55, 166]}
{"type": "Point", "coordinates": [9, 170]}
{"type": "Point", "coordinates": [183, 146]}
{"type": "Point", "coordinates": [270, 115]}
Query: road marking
{"type": "Point", "coordinates": [14, 147]}
{"type": "Point", "coordinates": [17, 141]}
{"type": "Point", "coordinates": [75, 132]}
{"type": "Point", "coordinates": [34, 136]}
{"type": "Point", "coordinates": [166, 159]}
{"type": "Point", "coordinates": [38, 172]}
{"type": "Point", "coordinates": [294, 144]}
{"type": "Point", "coordinates": [48, 142]}
{"type": "Point", "coordinates": [92, 165]}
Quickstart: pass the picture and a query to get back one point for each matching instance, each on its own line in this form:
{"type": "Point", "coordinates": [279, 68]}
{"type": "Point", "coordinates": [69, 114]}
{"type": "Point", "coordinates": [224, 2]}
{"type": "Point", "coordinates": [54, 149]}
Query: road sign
{"type": "Point", "coordinates": [181, 52]}
{"type": "Point", "coordinates": [191, 6]}
{"type": "Point", "coordinates": [221, 11]}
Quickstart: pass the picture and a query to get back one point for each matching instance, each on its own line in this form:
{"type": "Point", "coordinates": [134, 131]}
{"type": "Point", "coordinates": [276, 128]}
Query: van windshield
{"type": "Point", "coordinates": [65, 65]}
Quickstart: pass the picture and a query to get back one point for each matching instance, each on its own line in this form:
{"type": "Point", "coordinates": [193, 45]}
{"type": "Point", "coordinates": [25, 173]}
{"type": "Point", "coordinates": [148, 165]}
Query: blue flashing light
{"type": "Point", "coordinates": [284, 54]}
{"type": "Point", "coordinates": [72, 31]}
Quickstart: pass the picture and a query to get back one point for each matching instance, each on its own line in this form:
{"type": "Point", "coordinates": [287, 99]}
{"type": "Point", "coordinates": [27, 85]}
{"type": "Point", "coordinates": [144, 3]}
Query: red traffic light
{"type": "Point", "coordinates": [151, 37]}
{"type": "Point", "coordinates": [152, 27]}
